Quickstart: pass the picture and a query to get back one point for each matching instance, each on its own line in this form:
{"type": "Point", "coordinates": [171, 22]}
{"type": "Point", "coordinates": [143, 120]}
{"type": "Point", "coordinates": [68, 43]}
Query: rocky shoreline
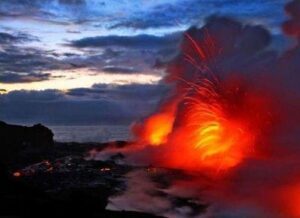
{"type": "Point", "coordinates": [43, 178]}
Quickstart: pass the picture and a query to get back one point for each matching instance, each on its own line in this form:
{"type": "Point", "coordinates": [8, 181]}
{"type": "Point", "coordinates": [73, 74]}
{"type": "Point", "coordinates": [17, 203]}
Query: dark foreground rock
{"type": "Point", "coordinates": [67, 186]}
{"type": "Point", "coordinates": [17, 140]}
{"type": "Point", "coordinates": [41, 178]}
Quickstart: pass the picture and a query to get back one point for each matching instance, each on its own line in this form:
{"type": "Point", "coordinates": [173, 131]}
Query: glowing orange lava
{"type": "Point", "coordinates": [289, 200]}
{"type": "Point", "coordinates": [17, 174]}
{"type": "Point", "coordinates": [220, 141]}
{"type": "Point", "coordinates": [216, 120]}
{"type": "Point", "coordinates": [157, 128]}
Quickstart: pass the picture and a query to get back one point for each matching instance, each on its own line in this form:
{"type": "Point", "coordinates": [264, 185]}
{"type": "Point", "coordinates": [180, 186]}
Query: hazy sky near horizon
{"type": "Point", "coordinates": [90, 62]}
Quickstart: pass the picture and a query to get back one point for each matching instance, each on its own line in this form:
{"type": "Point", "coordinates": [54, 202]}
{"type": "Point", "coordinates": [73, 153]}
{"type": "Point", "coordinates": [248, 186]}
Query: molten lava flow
{"type": "Point", "coordinates": [157, 128]}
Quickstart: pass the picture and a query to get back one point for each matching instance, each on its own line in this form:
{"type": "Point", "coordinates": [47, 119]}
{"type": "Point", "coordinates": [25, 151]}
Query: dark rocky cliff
{"type": "Point", "coordinates": [19, 139]}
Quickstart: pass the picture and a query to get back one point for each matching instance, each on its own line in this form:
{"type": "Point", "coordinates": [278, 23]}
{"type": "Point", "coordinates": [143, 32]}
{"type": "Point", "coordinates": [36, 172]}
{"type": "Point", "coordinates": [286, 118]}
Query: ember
{"type": "Point", "coordinates": [105, 169]}
{"type": "Point", "coordinates": [152, 170]}
{"type": "Point", "coordinates": [17, 174]}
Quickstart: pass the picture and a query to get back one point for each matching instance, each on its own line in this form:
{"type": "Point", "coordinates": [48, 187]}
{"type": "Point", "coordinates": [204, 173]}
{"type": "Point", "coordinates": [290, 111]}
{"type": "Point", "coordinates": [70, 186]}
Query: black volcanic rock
{"type": "Point", "coordinates": [73, 187]}
{"type": "Point", "coordinates": [19, 139]}
{"type": "Point", "coordinates": [43, 178]}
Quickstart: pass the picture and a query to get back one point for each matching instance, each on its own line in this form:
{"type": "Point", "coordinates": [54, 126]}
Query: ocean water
{"type": "Point", "coordinates": [101, 133]}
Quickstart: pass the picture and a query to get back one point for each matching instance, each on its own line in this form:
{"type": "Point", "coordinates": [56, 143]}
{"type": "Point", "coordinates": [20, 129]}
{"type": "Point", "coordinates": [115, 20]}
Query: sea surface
{"type": "Point", "coordinates": [101, 133]}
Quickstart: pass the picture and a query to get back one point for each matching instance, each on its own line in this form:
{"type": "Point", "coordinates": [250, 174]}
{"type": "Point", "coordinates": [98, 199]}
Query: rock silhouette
{"type": "Point", "coordinates": [15, 140]}
{"type": "Point", "coordinates": [43, 178]}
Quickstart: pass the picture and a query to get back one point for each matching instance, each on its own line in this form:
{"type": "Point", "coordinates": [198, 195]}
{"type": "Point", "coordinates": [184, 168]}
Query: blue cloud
{"type": "Point", "coordinates": [101, 104]}
{"type": "Point", "coordinates": [138, 41]}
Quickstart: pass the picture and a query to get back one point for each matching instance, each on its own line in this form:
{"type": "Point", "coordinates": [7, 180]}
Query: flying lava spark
{"type": "Point", "coordinates": [215, 123]}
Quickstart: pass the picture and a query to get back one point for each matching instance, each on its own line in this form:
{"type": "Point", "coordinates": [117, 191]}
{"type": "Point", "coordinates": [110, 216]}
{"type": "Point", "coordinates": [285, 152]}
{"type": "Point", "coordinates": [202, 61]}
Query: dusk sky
{"type": "Point", "coordinates": [86, 62]}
